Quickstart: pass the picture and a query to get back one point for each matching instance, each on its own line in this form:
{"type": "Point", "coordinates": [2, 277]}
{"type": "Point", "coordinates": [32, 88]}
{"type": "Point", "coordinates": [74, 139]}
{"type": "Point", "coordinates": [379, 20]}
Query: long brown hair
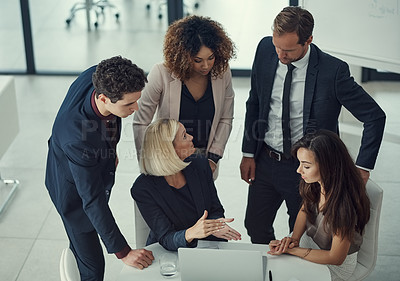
{"type": "Point", "coordinates": [347, 207]}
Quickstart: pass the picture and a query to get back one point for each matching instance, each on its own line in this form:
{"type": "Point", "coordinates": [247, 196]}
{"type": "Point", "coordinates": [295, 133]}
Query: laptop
{"type": "Point", "coordinates": [201, 264]}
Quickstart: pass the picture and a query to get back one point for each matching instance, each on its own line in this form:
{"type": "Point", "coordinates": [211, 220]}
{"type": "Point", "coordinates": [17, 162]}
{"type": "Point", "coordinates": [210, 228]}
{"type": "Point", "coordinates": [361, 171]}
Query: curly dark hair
{"type": "Point", "coordinates": [186, 36]}
{"type": "Point", "coordinates": [116, 76]}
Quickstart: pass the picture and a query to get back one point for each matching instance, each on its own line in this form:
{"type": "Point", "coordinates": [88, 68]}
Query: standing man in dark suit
{"type": "Point", "coordinates": [82, 160]}
{"type": "Point", "coordinates": [317, 86]}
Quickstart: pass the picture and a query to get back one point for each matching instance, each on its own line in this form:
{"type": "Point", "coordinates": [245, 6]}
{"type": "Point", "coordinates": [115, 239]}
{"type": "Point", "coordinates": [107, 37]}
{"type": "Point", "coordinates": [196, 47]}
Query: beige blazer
{"type": "Point", "coordinates": [163, 93]}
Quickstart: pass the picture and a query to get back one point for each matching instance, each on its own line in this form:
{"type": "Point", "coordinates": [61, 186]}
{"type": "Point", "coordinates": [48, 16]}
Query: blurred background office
{"type": "Point", "coordinates": [44, 54]}
{"type": "Point", "coordinates": [138, 33]}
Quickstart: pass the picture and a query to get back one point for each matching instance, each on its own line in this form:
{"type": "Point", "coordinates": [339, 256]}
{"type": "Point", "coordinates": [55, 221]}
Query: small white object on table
{"type": "Point", "coordinates": [283, 268]}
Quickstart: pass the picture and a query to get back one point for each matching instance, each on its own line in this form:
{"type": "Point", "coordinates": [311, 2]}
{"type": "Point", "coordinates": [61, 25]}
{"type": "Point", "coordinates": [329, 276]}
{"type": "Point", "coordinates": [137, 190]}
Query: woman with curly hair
{"type": "Point", "coordinates": [193, 85]}
{"type": "Point", "coordinates": [335, 206]}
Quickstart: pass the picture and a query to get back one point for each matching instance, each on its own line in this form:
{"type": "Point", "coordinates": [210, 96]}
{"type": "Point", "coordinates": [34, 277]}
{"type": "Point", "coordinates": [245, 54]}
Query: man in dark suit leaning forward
{"type": "Point", "coordinates": [82, 160]}
{"type": "Point", "coordinates": [317, 86]}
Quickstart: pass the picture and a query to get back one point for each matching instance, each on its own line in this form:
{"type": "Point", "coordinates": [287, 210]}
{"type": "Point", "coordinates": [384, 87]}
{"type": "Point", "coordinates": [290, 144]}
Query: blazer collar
{"type": "Point", "coordinates": [270, 65]}
{"type": "Point", "coordinates": [193, 183]}
{"type": "Point", "coordinates": [311, 79]}
{"type": "Point", "coordinates": [174, 97]}
{"type": "Point", "coordinates": [92, 117]}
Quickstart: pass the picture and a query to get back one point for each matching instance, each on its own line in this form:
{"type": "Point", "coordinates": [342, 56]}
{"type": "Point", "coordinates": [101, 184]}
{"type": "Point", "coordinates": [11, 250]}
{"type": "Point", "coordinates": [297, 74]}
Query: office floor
{"type": "Point", "coordinates": [32, 235]}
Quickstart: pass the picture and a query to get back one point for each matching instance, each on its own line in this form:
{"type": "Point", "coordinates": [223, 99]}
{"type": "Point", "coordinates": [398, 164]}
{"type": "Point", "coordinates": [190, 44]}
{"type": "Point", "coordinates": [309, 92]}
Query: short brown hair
{"type": "Point", "coordinates": [116, 76]}
{"type": "Point", "coordinates": [294, 19]}
{"type": "Point", "coordinates": [186, 36]}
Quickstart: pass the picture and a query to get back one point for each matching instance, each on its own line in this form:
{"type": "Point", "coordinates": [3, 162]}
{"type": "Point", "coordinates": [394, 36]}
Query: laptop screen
{"type": "Point", "coordinates": [201, 264]}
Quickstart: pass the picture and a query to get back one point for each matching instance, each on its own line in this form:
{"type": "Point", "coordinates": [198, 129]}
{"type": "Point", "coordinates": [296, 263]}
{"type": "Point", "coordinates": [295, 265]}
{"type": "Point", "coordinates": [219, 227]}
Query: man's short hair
{"type": "Point", "coordinates": [117, 76]}
{"type": "Point", "coordinates": [294, 19]}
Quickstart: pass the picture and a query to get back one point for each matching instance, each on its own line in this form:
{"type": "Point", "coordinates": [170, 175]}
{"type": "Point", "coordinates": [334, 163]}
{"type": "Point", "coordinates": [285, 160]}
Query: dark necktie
{"type": "Point", "coordinates": [286, 112]}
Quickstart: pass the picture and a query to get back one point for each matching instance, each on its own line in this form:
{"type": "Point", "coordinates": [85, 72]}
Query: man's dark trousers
{"type": "Point", "coordinates": [275, 182]}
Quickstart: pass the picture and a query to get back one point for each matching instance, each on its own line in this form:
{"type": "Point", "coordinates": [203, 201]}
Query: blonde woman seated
{"type": "Point", "coordinates": [335, 206]}
{"type": "Point", "coordinates": [177, 197]}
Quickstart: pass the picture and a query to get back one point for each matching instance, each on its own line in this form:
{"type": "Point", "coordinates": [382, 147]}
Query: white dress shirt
{"type": "Point", "coordinates": [274, 136]}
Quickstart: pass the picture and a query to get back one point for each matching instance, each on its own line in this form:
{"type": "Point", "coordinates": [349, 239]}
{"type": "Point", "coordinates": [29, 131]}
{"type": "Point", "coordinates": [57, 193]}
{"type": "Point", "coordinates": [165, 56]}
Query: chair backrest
{"type": "Point", "coordinates": [141, 228]}
{"type": "Point", "coordinates": [9, 123]}
{"type": "Point", "coordinates": [366, 258]}
{"type": "Point", "coordinates": [68, 267]}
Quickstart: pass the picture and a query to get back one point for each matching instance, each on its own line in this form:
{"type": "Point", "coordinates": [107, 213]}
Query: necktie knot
{"type": "Point", "coordinates": [290, 67]}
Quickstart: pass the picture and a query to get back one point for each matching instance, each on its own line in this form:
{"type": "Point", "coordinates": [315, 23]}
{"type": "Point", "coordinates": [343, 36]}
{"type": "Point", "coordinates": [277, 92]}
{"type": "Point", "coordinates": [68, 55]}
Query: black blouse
{"type": "Point", "coordinates": [197, 116]}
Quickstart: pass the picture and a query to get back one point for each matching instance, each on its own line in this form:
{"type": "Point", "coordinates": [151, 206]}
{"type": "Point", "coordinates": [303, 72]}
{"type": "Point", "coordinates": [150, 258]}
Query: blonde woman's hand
{"type": "Point", "coordinates": [203, 228]}
{"type": "Point", "coordinates": [228, 232]}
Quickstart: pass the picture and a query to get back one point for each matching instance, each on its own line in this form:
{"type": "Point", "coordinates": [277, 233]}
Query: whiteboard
{"type": "Point", "coordinates": [361, 32]}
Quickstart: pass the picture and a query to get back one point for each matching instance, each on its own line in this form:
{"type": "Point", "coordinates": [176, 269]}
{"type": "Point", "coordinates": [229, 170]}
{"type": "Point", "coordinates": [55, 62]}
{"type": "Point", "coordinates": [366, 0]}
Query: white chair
{"type": "Point", "coordinates": [9, 125]}
{"type": "Point", "coordinates": [68, 267]}
{"type": "Point", "coordinates": [141, 228]}
{"type": "Point", "coordinates": [366, 258]}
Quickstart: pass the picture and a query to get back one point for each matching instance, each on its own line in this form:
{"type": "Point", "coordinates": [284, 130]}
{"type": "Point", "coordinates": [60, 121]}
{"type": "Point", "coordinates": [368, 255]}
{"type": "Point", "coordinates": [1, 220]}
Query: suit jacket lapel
{"type": "Point", "coordinates": [92, 117]}
{"type": "Point", "coordinates": [193, 181]}
{"type": "Point", "coordinates": [268, 83]}
{"type": "Point", "coordinates": [270, 63]}
{"type": "Point", "coordinates": [103, 130]}
{"type": "Point", "coordinates": [311, 78]}
{"type": "Point", "coordinates": [174, 98]}
{"type": "Point", "coordinates": [168, 196]}
{"type": "Point", "coordinates": [101, 127]}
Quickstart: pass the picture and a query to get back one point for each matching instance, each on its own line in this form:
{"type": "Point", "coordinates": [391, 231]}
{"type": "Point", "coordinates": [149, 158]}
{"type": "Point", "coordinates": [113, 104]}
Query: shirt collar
{"type": "Point", "coordinates": [303, 62]}
{"type": "Point", "coordinates": [96, 110]}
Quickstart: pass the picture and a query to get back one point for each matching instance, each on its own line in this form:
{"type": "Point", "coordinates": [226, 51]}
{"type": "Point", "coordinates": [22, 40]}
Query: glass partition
{"type": "Point", "coordinates": [136, 33]}
{"type": "Point", "coordinates": [12, 51]}
{"type": "Point", "coordinates": [58, 47]}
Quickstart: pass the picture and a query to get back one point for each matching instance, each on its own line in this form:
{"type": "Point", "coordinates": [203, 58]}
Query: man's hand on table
{"type": "Point", "coordinates": [139, 258]}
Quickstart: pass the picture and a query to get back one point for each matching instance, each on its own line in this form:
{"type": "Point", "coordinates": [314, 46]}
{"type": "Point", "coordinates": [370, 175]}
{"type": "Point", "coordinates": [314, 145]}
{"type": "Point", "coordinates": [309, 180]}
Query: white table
{"type": "Point", "coordinates": [283, 268]}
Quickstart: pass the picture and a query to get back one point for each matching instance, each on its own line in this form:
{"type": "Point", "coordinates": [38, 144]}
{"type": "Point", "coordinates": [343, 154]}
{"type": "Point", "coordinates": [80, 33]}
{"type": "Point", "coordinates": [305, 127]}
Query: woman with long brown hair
{"type": "Point", "coordinates": [335, 206]}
